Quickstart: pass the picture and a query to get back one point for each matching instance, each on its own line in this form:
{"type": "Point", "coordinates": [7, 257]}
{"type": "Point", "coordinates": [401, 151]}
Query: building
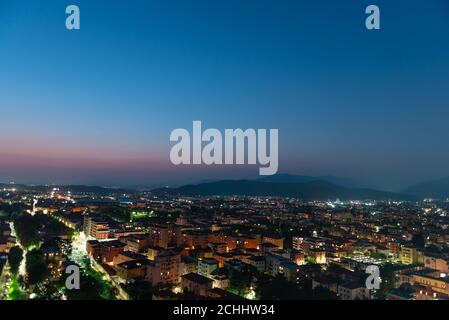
{"type": "Point", "coordinates": [411, 255]}
{"type": "Point", "coordinates": [6, 243]}
{"type": "Point", "coordinates": [196, 239]}
{"type": "Point", "coordinates": [241, 242]}
{"type": "Point", "coordinates": [96, 228]}
{"type": "Point", "coordinates": [3, 261]}
{"type": "Point", "coordinates": [279, 265]}
{"type": "Point", "coordinates": [317, 255]}
{"type": "Point", "coordinates": [153, 252]}
{"type": "Point", "coordinates": [218, 247]}
{"type": "Point", "coordinates": [257, 262]}
{"type": "Point", "coordinates": [325, 281]}
{"type": "Point", "coordinates": [221, 278]}
{"type": "Point", "coordinates": [165, 269]}
{"type": "Point", "coordinates": [104, 251]}
{"type": "Point", "coordinates": [278, 241]}
{"type": "Point", "coordinates": [137, 242]}
{"type": "Point", "coordinates": [432, 279]}
{"type": "Point", "coordinates": [222, 258]}
{"type": "Point", "coordinates": [298, 257]}
{"type": "Point", "coordinates": [181, 220]}
{"type": "Point", "coordinates": [436, 262]}
{"type": "Point", "coordinates": [206, 266]}
{"type": "Point", "coordinates": [353, 290]}
{"type": "Point", "coordinates": [165, 235]}
{"type": "Point", "coordinates": [290, 271]}
{"type": "Point", "coordinates": [126, 256]}
{"type": "Point", "coordinates": [132, 270]}
{"type": "Point", "coordinates": [308, 243]}
{"type": "Point", "coordinates": [5, 230]}
{"type": "Point", "coordinates": [267, 248]}
{"type": "Point", "coordinates": [196, 284]}
{"type": "Point", "coordinates": [188, 265]}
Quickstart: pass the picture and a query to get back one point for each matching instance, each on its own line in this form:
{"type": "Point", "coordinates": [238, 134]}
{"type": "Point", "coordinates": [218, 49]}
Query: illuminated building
{"type": "Point", "coordinates": [165, 269]}
{"type": "Point", "coordinates": [132, 270]}
{"type": "Point", "coordinates": [96, 228]}
{"type": "Point", "coordinates": [196, 284]}
{"type": "Point", "coordinates": [104, 251]}
{"type": "Point", "coordinates": [278, 241]}
{"type": "Point", "coordinates": [411, 255]}
{"type": "Point", "coordinates": [206, 266]}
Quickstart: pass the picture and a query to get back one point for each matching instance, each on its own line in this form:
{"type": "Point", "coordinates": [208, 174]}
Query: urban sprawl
{"type": "Point", "coordinates": [141, 246]}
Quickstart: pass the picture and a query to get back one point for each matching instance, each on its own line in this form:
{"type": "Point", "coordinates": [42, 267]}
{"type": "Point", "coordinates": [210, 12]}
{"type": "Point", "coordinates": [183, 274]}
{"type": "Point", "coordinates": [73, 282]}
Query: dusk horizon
{"type": "Point", "coordinates": [343, 181]}
{"type": "Point", "coordinates": [97, 106]}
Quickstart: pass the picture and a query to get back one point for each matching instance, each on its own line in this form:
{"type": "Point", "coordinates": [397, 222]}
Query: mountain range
{"type": "Point", "coordinates": [289, 178]}
{"type": "Point", "coordinates": [309, 190]}
{"type": "Point", "coordinates": [436, 189]}
{"type": "Point", "coordinates": [282, 185]}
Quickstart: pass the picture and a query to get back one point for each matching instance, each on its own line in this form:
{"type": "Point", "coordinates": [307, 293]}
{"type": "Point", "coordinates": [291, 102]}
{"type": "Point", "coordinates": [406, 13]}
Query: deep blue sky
{"type": "Point", "coordinates": [98, 105]}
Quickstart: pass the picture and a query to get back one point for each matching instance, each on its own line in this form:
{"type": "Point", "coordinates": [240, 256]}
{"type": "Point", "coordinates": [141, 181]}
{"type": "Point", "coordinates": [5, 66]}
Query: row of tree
{"type": "Point", "coordinates": [35, 264]}
{"type": "Point", "coordinates": [31, 230]}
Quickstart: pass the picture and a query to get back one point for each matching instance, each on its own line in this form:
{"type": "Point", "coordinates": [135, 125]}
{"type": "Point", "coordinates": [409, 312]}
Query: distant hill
{"type": "Point", "coordinates": [437, 189]}
{"type": "Point", "coordinates": [289, 178]}
{"type": "Point", "coordinates": [72, 188]}
{"type": "Point", "coordinates": [311, 190]}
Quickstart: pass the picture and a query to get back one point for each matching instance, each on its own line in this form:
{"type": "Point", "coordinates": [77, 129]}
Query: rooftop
{"type": "Point", "coordinates": [195, 277]}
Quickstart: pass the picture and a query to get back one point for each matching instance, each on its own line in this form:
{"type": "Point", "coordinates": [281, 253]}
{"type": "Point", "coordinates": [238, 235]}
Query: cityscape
{"type": "Point", "coordinates": [154, 245]}
{"type": "Point", "coordinates": [189, 152]}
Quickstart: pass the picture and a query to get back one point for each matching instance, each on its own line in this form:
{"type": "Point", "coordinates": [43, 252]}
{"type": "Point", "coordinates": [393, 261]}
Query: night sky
{"type": "Point", "coordinates": [96, 106]}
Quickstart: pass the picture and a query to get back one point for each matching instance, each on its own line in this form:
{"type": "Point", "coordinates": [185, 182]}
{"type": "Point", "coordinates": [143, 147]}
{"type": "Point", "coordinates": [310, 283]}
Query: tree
{"type": "Point", "coordinates": [36, 267]}
{"type": "Point", "coordinates": [321, 293]}
{"type": "Point", "coordinates": [240, 281]}
{"type": "Point", "coordinates": [140, 290]}
{"type": "Point", "coordinates": [27, 229]}
{"type": "Point", "coordinates": [15, 257]}
{"type": "Point", "coordinates": [277, 288]}
{"type": "Point", "coordinates": [418, 241]}
{"type": "Point", "coordinates": [91, 289]}
{"type": "Point", "coordinates": [387, 273]}
{"type": "Point", "coordinates": [378, 255]}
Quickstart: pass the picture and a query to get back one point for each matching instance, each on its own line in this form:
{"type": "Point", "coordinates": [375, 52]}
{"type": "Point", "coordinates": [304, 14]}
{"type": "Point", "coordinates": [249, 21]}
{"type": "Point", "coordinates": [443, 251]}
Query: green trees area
{"type": "Point", "coordinates": [15, 257]}
{"type": "Point", "coordinates": [388, 281]}
{"type": "Point", "coordinates": [7, 209]}
{"type": "Point", "coordinates": [31, 230]}
{"type": "Point", "coordinates": [117, 213]}
{"type": "Point", "coordinates": [36, 272]}
{"type": "Point", "coordinates": [92, 289]}
{"type": "Point", "coordinates": [36, 267]}
{"type": "Point", "coordinates": [240, 281]}
{"type": "Point", "coordinates": [279, 288]}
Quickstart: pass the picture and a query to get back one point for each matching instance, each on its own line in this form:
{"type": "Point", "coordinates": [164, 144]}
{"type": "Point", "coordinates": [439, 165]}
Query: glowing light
{"type": "Point", "coordinates": [251, 295]}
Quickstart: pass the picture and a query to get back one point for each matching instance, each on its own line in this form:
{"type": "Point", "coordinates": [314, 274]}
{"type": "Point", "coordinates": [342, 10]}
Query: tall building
{"type": "Point", "coordinates": [411, 255]}
{"type": "Point", "coordinates": [165, 269]}
{"type": "Point", "coordinates": [96, 228]}
{"type": "Point", "coordinates": [207, 266]}
{"type": "Point", "coordinates": [276, 240]}
{"type": "Point", "coordinates": [165, 235]}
